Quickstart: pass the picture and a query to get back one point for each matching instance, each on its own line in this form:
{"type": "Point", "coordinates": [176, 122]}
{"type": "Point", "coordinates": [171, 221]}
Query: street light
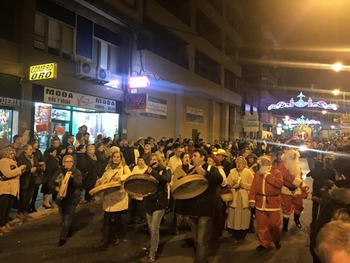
{"type": "Point", "coordinates": [337, 92]}
{"type": "Point", "coordinates": [337, 67]}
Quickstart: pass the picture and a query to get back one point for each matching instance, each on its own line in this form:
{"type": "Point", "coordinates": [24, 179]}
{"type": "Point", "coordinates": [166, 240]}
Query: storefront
{"type": "Point", "coordinates": [58, 111]}
{"type": "Point", "coordinates": [10, 102]}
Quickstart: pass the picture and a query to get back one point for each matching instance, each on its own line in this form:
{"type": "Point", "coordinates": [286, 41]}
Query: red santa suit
{"type": "Point", "coordinates": [265, 194]}
{"type": "Point", "coordinates": [292, 188]}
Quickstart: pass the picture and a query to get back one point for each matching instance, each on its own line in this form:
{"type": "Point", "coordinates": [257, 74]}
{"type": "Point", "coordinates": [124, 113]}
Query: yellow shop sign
{"type": "Point", "coordinates": [43, 71]}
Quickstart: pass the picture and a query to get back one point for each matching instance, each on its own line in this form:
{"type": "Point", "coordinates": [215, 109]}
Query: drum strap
{"type": "Point", "coordinates": [192, 170]}
{"type": "Point", "coordinates": [110, 180]}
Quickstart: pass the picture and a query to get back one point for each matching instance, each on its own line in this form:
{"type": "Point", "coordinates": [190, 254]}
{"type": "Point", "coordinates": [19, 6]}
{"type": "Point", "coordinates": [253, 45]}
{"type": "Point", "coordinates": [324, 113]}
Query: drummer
{"type": "Point", "coordinates": [136, 201]}
{"type": "Point", "coordinates": [180, 172]}
{"type": "Point", "coordinates": [115, 201]}
{"type": "Point", "coordinates": [155, 204]}
{"type": "Point", "coordinates": [201, 208]}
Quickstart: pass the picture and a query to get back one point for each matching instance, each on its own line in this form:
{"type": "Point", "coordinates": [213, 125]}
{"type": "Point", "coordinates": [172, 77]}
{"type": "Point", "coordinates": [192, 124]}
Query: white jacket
{"type": "Point", "coordinates": [115, 199]}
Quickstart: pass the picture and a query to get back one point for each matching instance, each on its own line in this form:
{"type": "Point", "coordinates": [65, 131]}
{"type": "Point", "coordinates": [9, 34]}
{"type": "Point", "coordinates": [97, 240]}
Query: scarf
{"type": "Point", "coordinates": [92, 156]}
{"type": "Point", "coordinates": [64, 185]}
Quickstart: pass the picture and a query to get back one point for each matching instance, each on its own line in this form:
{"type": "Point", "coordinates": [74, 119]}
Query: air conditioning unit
{"type": "Point", "coordinates": [103, 75]}
{"type": "Point", "coordinates": [86, 70]}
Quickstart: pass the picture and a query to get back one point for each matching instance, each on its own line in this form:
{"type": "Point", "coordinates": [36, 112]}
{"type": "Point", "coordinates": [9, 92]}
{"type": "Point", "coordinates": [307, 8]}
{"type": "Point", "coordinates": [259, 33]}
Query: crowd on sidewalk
{"type": "Point", "coordinates": [245, 184]}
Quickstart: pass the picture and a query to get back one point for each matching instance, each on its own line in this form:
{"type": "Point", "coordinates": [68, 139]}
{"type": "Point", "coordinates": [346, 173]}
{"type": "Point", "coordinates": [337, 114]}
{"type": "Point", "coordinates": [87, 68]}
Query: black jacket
{"type": "Point", "coordinates": [27, 178]}
{"type": "Point", "coordinates": [203, 204]}
{"type": "Point", "coordinates": [158, 200]}
{"type": "Point", "coordinates": [73, 190]}
{"type": "Point", "coordinates": [340, 198]}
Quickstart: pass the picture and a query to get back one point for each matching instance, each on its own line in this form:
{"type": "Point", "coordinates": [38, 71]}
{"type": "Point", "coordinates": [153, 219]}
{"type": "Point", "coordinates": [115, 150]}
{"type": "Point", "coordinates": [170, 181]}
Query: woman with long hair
{"type": "Point", "coordinates": [115, 201]}
{"type": "Point", "coordinates": [9, 185]}
{"type": "Point", "coordinates": [155, 204]}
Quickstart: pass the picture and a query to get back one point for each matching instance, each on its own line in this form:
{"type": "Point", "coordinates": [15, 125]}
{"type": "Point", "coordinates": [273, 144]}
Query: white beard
{"type": "Point", "coordinates": [265, 169]}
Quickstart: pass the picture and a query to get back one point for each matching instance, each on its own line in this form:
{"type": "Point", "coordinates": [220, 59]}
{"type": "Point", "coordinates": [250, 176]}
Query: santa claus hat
{"type": "Point", "coordinates": [266, 157]}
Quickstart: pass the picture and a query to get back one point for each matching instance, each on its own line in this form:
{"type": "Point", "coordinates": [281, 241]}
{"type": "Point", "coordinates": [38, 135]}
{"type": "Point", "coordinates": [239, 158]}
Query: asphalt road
{"type": "Point", "coordinates": [36, 241]}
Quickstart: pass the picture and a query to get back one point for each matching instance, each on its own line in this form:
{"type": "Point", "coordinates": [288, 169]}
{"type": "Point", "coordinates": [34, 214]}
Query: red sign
{"type": "Point", "coordinates": [139, 82]}
{"type": "Point", "coordinates": [136, 101]}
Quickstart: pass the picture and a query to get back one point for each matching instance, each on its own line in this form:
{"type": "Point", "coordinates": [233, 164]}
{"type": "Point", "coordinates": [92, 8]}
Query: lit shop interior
{"type": "Point", "coordinates": [54, 119]}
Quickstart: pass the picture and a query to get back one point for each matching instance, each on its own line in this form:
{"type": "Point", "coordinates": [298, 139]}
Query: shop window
{"type": "Point", "coordinates": [6, 124]}
{"type": "Point", "coordinates": [54, 120]}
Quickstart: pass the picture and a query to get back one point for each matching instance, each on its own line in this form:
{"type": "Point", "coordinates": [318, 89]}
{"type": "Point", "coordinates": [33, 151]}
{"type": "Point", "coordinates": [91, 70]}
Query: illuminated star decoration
{"type": "Point", "coordinates": [301, 120]}
{"type": "Point", "coordinates": [301, 104]}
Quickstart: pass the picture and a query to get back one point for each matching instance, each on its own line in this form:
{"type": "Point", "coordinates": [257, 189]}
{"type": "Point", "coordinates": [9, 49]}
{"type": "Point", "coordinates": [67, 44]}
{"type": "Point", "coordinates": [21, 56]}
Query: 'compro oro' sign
{"type": "Point", "coordinates": [43, 71]}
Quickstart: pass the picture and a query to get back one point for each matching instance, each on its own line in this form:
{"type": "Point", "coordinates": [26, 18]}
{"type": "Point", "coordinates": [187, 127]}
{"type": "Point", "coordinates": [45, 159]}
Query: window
{"type": "Point", "coordinates": [217, 4]}
{"type": "Point", "coordinates": [164, 43]}
{"type": "Point", "coordinates": [54, 37]}
{"type": "Point", "coordinates": [106, 55]}
{"type": "Point", "coordinates": [207, 67]}
{"type": "Point", "coordinates": [180, 8]}
{"type": "Point", "coordinates": [208, 30]}
{"type": "Point", "coordinates": [231, 49]}
{"type": "Point", "coordinates": [8, 20]}
{"type": "Point", "coordinates": [230, 80]}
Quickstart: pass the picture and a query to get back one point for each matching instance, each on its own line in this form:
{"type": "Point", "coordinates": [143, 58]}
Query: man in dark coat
{"type": "Point", "coordinates": [201, 208]}
{"type": "Point", "coordinates": [339, 204]}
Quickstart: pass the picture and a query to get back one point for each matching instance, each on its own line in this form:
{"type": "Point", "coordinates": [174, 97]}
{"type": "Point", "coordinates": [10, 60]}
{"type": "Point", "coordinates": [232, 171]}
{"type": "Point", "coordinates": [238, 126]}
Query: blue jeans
{"type": "Point", "coordinates": [153, 220]}
{"type": "Point", "coordinates": [66, 213]}
{"type": "Point", "coordinates": [201, 227]}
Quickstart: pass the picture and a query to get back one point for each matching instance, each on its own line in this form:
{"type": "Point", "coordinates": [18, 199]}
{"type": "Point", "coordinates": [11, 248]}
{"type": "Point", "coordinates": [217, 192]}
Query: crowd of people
{"type": "Point", "coordinates": [244, 184]}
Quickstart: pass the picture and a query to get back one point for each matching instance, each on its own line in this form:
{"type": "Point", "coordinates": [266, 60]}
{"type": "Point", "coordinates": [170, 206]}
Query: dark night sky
{"type": "Point", "coordinates": [313, 31]}
{"type": "Point", "coordinates": [308, 31]}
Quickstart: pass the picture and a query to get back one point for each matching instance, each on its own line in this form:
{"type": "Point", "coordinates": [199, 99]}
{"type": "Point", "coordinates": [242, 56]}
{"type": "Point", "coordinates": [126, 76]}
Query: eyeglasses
{"type": "Point", "coordinates": [69, 161]}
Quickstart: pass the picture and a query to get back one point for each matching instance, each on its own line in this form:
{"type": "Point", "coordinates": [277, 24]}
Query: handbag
{"type": "Point", "coordinates": [39, 178]}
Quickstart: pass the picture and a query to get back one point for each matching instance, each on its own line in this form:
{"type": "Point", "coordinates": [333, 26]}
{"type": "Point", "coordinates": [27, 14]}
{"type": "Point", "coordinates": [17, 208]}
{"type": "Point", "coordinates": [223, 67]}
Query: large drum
{"type": "Point", "coordinates": [140, 185]}
{"type": "Point", "coordinates": [226, 194]}
{"type": "Point", "coordinates": [189, 186]}
{"type": "Point", "coordinates": [103, 187]}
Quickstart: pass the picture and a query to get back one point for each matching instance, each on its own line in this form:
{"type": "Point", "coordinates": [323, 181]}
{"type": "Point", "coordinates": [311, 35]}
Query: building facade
{"type": "Point", "coordinates": [189, 50]}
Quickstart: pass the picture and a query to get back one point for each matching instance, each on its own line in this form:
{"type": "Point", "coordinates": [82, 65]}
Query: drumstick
{"type": "Point", "coordinates": [110, 180]}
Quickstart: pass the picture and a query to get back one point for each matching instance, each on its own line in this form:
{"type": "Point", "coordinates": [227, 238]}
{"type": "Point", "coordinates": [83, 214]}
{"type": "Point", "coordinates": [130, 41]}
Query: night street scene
{"type": "Point", "coordinates": [191, 131]}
